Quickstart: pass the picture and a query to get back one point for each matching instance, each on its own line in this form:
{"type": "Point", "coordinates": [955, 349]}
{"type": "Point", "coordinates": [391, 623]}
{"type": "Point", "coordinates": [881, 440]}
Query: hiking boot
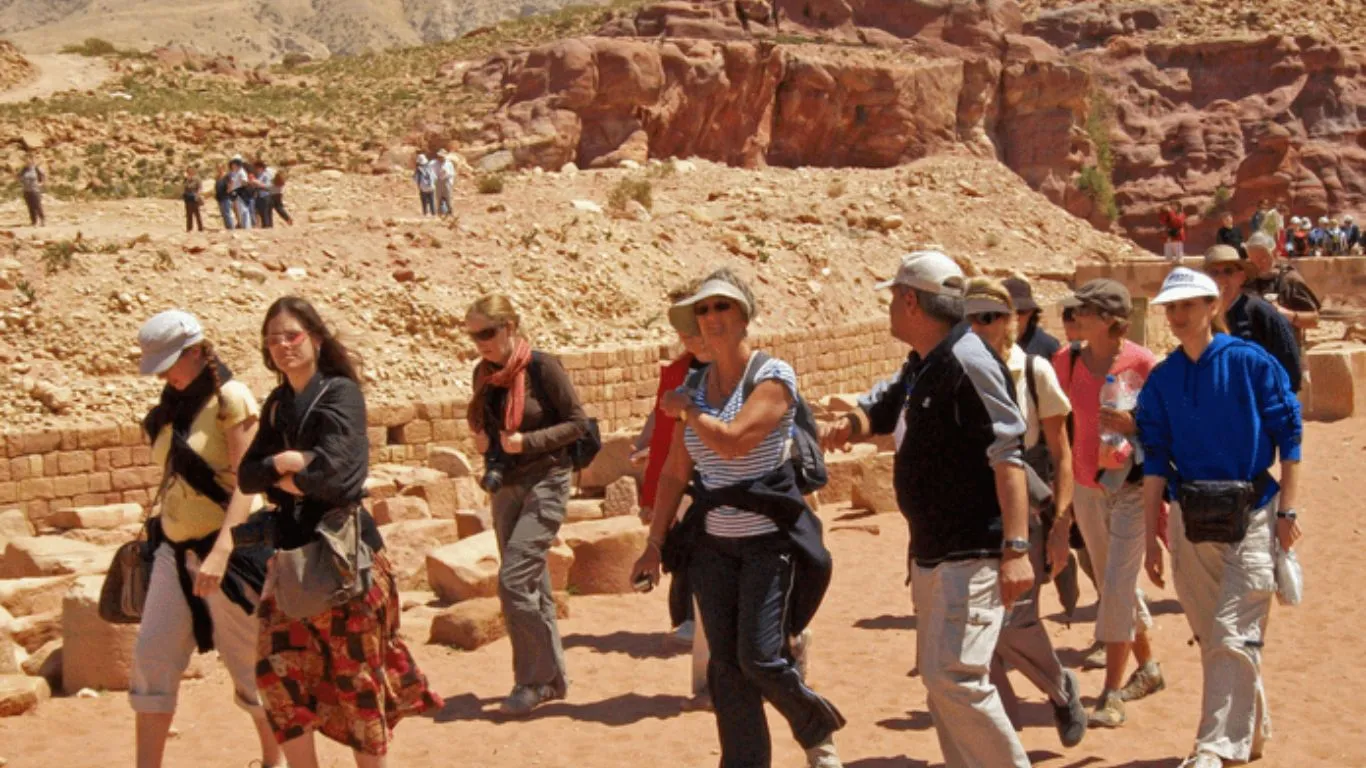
{"type": "Point", "coordinates": [1109, 711]}
{"type": "Point", "coordinates": [525, 698]}
{"type": "Point", "coordinates": [1144, 682]}
{"type": "Point", "coordinates": [1203, 760]}
{"type": "Point", "coordinates": [801, 653]}
{"type": "Point", "coordinates": [1070, 718]}
{"type": "Point", "coordinates": [823, 755]}
{"type": "Point", "coordinates": [683, 635]}
{"type": "Point", "coordinates": [1094, 657]}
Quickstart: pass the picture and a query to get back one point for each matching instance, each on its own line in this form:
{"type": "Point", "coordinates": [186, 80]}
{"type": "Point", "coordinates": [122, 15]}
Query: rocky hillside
{"type": "Point", "coordinates": [258, 30]}
{"type": "Point", "coordinates": [14, 68]}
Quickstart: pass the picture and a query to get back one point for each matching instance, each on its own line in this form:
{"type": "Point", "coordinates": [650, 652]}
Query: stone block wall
{"type": "Point", "coordinates": [43, 471]}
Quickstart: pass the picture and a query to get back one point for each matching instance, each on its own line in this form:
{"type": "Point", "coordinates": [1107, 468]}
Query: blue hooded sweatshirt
{"type": "Point", "coordinates": [1223, 417]}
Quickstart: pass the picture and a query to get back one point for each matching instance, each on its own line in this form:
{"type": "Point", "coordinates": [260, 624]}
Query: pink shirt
{"type": "Point", "coordinates": [1083, 389]}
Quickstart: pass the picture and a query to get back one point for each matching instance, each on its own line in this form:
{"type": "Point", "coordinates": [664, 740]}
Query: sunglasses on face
{"type": "Point", "coordinates": [286, 338]}
{"type": "Point", "coordinates": [1224, 271]}
{"type": "Point", "coordinates": [486, 334]}
{"type": "Point", "coordinates": [987, 318]}
{"type": "Point", "coordinates": [717, 306]}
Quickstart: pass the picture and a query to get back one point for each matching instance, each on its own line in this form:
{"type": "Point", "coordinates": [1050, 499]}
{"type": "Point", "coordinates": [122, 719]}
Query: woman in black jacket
{"type": "Point", "coordinates": [343, 672]}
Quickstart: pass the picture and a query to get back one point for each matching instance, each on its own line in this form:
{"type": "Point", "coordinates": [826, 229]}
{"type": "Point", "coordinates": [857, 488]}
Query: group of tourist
{"type": "Point", "coordinates": [1294, 237]}
{"type": "Point", "coordinates": [1007, 442]}
{"type": "Point", "coordinates": [435, 180]}
{"type": "Point", "coordinates": [249, 195]}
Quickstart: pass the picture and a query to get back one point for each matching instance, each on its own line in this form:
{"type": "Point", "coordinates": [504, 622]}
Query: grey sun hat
{"type": "Point", "coordinates": [1021, 293]}
{"type": "Point", "coordinates": [164, 337]}
{"type": "Point", "coordinates": [681, 315]}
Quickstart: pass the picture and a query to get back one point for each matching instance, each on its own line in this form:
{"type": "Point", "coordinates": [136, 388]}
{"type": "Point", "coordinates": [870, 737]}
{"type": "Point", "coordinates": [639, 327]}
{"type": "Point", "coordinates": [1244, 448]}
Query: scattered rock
{"type": "Point", "coordinates": [475, 623]}
{"type": "Point", "coordinates": [471, 522]}
{"type": "Point", "coordinates": [104, 517]}
{"type": "Point", "coordinates": [399, 508]}
{"type": "Point", "coordinates": [25, 597]}
{"type": "Point", "coordinates": [621, 498]}
{"type": "Point", "coordinates": [95, 654]}
{"type": "Point", "coordinates": [46, 662]}
{"type": "Point", "coordinates": [21, 693]}
{"type": "Point", "coordinates": [14, 524]}
{"type": "Point", "coordinates": [51, 556]}
{"type": "Point", "coordinates": [579, 510]}
{"type": "Point", "coordinates": [450, 461]}
{"type": "Point", "coordinates": [469, 568]}
{"type": "Point", "coordinates": [407, 543]}
{"type": "Point", "coordinates": [587, 206]}
{"type": "Point", "coordinates": [612, 463]}
{"type": "Point", "coordinates": [874, 490]}
{"type": "Point", "coordinates": [604, 553]}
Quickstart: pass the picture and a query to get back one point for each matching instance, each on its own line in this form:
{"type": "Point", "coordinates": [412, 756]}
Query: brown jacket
{"type": "Point", "coordinates": [551, 421]}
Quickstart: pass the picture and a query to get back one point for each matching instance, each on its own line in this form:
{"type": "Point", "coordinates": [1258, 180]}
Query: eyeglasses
{"type": "Point", "coordinates": [1069, 315]}
{"type": "Point", "coordinates": [287, 338]}
{"type": "Point", "coordinates": [1224, 271]}
{"type": "Point", "coordinates": [717, 306]}
{"type": "Point", "coordinates": [987, 318]}
{"type": "Point", "coordinates": [486, 334]}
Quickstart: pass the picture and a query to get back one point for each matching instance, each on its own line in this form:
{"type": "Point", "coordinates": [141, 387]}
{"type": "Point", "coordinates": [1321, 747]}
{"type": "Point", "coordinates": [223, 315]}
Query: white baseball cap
{"type": "Point", "coordinates": [1183, 283]}
{"type": "Point", "coordinates": [164, 337]}
{"type": "Point", "coordinates": [930, 271]}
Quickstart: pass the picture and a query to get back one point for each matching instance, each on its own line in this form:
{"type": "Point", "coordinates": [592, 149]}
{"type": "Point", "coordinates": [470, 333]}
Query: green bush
{"type": "Point", "coordinates": [92, 46]}
{"type": "Point", "coordinates": [1097, 180]}
{"type": "Point", "coordinates": [626, 190]}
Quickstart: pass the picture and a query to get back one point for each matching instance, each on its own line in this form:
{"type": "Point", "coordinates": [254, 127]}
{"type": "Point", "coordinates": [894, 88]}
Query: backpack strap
{"type": "Point", "coordinates": [748, 383]}
{"type": "Point", "coordinates": [1029, 382]}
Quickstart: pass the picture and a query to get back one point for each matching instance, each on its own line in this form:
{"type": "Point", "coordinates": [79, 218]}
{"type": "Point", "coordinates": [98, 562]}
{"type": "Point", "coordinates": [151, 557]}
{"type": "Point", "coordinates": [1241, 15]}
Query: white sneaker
{"type": "Point", "coordinates": [823, 755]}
{"type": "Point", "coordinates": [1203, 759]}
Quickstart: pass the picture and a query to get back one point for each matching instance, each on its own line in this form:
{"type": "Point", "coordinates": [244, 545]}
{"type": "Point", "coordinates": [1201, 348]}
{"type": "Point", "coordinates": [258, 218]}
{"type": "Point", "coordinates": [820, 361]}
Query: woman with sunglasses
{"type": "Point", "coordinates": [1110, 518]}
{"type": "Point", "coordinates": [344, 672]}
{"type": "Point", "coordinates": [750, 542]}
{"type": "Point", "coordinates": [1220, 409]}
{"type": "Point", "coordinates": [202, 592]}
{"type": "Point", "coordinates": [525, 415]}
{"type": "Point", "coordinates": [1024, 644]}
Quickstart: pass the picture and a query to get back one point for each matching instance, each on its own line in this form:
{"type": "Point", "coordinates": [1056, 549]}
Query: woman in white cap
{"type": "Point", "coordinates": [202, 592]}
{"type": "Point", "coordinates": [426, 185]}
{"type": "Point", "coordinates": [1024, 643]}
{"type": "Point", "coordinates": [750, 543]}
{"type": "Point", "coordinates": [1107, 503]}
{"type": "Point", "coordinates": [1213, 418]}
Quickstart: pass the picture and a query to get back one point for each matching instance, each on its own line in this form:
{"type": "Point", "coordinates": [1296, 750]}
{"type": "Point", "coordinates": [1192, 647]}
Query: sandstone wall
{"type": "Point", "coordinates": [1341, 279]}
{"type": "Point", "coordinates": [44, 471]}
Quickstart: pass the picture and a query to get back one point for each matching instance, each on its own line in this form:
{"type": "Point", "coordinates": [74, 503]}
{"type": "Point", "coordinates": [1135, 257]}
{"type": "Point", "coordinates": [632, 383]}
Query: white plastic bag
{"type": "Point", "coordinates": [1289, 577]}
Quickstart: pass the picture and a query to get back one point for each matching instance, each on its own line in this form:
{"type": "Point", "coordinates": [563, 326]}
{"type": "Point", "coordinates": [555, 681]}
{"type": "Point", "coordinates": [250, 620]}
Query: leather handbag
{"type": "Point", "coordinates": [124, 592]}
{"type": "Point", "coordinates": [331, 570]}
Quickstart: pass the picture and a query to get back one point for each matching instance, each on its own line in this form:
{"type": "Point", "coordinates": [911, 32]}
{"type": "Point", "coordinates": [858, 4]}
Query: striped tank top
{"type": "Point", "coordinates": [719, 472]}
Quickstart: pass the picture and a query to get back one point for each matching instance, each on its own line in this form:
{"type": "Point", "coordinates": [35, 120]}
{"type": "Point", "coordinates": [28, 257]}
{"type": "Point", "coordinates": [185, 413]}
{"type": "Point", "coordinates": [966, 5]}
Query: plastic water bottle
{"type": "Point", "coordinates": [1114, 447]}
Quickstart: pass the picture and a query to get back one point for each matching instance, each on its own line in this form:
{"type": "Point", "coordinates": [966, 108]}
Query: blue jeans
{"type": "Point", "coordinates": [742, 590]}
{"type": "Point", "coordinates": [428, 203]}
{"type": "Point", "coordinates": [225, 208]}
{"type": "Point", "coordinates": [243, 213]}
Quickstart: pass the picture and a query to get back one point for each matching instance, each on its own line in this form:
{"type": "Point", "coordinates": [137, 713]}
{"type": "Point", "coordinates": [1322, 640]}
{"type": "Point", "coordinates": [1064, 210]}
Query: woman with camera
{"type": "Point", "coordinates": [525, 415]}
{"type": "Point", "coordinates": [343, 672]}
{"type": "Point", "coordinates": [750, 539]}
{"type": "Point", "coordinates": [202, 591]}
{"type": "Point", "coordinates": [1213, 418]}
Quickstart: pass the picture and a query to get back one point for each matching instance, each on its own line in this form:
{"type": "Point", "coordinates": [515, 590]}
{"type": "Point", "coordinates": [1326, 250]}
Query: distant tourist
{"type": "Point", "coordinates": [1228, 233]}
{"type": "Point", "coordinates": [426, 185]}
{"type": "Point", "coordinates": [31, 179]}
{"type": "Point", "coordinates": [222, 193]}
{"type": "Point", "coordinates": [262, 187]}
{"type": "Point", "coordinates": [1282, 285]}
{"type": "Point", "coordinates": [1174, 222]}
{"type": "Point", "coordinates": [277, 197]}
{"type": "Point", "coordinates": [445, 182]}
{"type": "Point", "coordinates": [1351, 234]}
{"type": "Point", "coordinates": [1318, 237]}
{"type": "Point", "coordinates": [240, 189]}
{"type": "Point", "coordinates": [193, 200]}
{"type": "Point", "coordinates": [1259, 215]}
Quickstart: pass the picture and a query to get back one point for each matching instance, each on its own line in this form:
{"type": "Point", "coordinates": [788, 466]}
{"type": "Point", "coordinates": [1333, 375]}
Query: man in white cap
{"type": "Point", "coordinates": [960, 482]}
{"type": "Point", "coordinates": [445, 182]}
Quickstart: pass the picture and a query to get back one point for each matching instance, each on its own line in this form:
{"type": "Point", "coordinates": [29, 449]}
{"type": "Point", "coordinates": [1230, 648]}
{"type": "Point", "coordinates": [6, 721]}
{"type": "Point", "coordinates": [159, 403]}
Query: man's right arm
{"type": "Point", "coordinates": [879, 408]}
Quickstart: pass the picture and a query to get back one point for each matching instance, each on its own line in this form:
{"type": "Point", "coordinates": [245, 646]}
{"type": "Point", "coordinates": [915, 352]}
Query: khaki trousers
{"type": "Point", "coordinates": [958, 620]}
{"type": "Point", "coordinates": [1226, 590]}
{"type": "Point", "coordinates": [1113, 528]}
{"type": "Point", "coordinates": [166, 641]}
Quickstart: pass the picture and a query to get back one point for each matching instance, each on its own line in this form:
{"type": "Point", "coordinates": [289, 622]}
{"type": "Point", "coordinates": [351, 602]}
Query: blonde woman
{"type": "Point", "coordinates": [1024, 643]}
{"type": "Point", "coordinates": [202, 592]}
{"type": "Point", "coordinates": [525, 415]}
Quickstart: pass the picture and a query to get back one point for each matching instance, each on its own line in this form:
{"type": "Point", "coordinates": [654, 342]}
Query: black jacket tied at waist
{"type": "Point", "coordinates": [776, 497]}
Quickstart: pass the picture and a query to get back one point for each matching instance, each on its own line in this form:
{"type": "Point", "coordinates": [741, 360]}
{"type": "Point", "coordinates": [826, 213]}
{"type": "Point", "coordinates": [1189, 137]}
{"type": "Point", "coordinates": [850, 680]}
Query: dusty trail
{"type": "Point", "coordinates": [59, 72]}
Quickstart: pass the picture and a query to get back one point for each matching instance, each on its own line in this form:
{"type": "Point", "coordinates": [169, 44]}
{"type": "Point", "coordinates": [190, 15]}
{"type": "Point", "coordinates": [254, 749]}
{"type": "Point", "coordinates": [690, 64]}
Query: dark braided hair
{"type": "Point", "coordinates": [214, 365]}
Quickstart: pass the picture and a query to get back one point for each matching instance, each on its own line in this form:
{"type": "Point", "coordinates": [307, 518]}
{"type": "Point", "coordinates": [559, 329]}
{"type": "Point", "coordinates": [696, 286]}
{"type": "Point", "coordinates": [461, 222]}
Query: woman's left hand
{"type": "Point", "coordinates": [1287, 532]}
{"type": "Point", "coordinates": [513, 442]}
{"type": "Point", "coordinates": [1118, 421]}
{"type": "Point", "coordinates": [289, 462]}
{"type": "Point", "coordinates": [211, 571]}
{"type": "Point", "coordinates": [674, 403]}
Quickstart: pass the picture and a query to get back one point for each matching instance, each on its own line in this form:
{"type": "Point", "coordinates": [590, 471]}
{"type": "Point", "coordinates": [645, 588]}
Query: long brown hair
{"type": "Point", "coordinates": [334, 359]}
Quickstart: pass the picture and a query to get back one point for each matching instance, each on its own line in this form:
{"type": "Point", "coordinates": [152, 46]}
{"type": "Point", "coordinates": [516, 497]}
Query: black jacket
{"type": "Point", "coordinates": [1255, 320]}
{"type": "Point", "coordinates": [961, 420]}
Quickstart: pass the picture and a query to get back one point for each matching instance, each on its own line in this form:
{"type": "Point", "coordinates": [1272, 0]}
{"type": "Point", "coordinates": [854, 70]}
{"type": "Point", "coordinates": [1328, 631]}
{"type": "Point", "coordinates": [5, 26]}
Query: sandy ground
{"type": "Point", "coordinates": [627, 682]}
{"type": "Point", "coordinates": [59, 72]}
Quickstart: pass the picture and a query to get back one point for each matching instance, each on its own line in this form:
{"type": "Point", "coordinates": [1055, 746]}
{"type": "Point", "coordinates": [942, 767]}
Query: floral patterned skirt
{"type": "Point", "coordinates": [344, 673]}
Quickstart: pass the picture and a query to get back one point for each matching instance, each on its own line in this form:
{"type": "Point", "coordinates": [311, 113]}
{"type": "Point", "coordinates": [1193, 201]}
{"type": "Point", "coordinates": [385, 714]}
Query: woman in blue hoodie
{"type": "Point", "coordinates": [1213, 417]}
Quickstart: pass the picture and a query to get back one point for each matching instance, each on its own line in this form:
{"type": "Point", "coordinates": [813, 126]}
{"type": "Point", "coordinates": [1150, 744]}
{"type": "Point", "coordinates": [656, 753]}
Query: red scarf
{"type": "Point", "coordinates": [509, 377]}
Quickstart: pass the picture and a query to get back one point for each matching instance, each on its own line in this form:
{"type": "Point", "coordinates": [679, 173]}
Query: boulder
{"type": "Point", "coordinates": [612, 463]}
{"type": "Point", "coordinates": [579, 510]}
{"type": "Point", "coordinates": [400, 508]}
{"type": "Point", "coordinates": [21, 693]}
{"type": "Point", "coordinates": [469, 568]}
{"type": "Point", "coordinates": [95, 654]}
{"type": "Point", "coordinates": [46, 662]}
{"type": "Point", "coordinates": [25, 597]}
{"type": "Point", "coordinates": [380, 487]}
{"type": "Point", "coordinates": [406, 544]}
{"type": "Point", "coordinates": [34, 631]}
{"type": "Point", "coordinates": [106, 517]}
{"type": "Point", "coordinates": [32, 140]}
{"type": "Point", "coordinates": [475, 623]}
{"type": "Point", "coordinates": [604, 552]}
{"type": "Point", "coordinates": [622, 496]}
{"type": "Point", "coordinates": [454, 463]}
{"type": "Point", "coordinates": [874, 489]}
{"type": "Point", "coordinates": [51, 556]}
{"type": "Point", "coordinates": [10, 659]}
{"type": "Point", "coordinates": [14, 524]}
{"type": "Point", "coordinates": [1337, 379]}
{"type": "Point", "coordinates": [445, 496]}
{"type": "Point", "coordinates": [104, 539]}
{"type": "Point", "coordinates": [845, 470]}
{"type": "Point", "coordinates": [471, 522]}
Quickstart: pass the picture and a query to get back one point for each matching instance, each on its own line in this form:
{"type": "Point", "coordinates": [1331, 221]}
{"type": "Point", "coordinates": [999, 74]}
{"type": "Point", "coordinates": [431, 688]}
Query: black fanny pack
{"type": "Point", "coordinates": [1219, 510]}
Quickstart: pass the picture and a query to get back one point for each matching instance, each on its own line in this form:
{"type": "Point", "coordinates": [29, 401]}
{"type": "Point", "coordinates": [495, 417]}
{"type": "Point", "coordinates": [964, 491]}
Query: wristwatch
{"type": "Point", "coordinates": [1015, 546]}
{"type": "Point", "coordinates": [1287, 514]}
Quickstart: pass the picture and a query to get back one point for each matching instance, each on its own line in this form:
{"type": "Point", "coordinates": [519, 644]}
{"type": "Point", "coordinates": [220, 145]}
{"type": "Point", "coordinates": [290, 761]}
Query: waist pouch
{"type": "Point", "coordinates": [1216, 510]}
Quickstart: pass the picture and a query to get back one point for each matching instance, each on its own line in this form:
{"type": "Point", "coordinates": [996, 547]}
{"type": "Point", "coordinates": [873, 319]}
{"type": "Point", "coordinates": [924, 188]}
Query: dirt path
{"type": "Point", "coordinates": [59, 72]}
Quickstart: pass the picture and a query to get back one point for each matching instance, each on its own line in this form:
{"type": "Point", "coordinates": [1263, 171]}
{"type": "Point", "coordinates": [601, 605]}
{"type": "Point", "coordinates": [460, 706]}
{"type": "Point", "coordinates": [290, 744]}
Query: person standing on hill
{"type": "Point", "coordinates": [277, 197]}
{"type": "Point", "coordinates": [31, 180]}
{"type": "Point", "coordinates": [222, 194]}
{"type": "Point", "coordinates": [262, 186]}
{"type": "Point", "coordinates": [1174, 222]}
{"type": "Point", "coordinates": [238, 188]}
{"type": "Point", "coordinates": [193, 200]}
{"type": "Point", "coordinates": [445, 182]}
{"type": "Point", "coordinates": [426, 185]}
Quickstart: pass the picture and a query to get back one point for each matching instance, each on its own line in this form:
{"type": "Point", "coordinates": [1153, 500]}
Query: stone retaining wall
{"type": "Point", "coordinates": [43, 471]}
